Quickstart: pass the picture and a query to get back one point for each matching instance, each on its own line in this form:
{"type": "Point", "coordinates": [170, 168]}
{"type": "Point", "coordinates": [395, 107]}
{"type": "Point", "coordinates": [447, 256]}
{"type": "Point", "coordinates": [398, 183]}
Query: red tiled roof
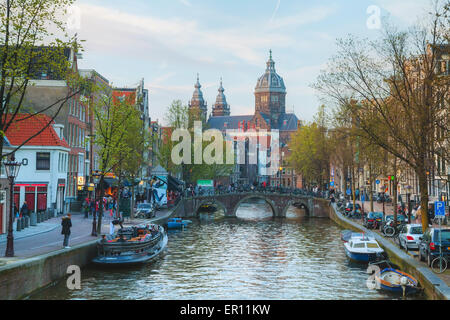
{"type": "Point", "coordinates": [19, 131]}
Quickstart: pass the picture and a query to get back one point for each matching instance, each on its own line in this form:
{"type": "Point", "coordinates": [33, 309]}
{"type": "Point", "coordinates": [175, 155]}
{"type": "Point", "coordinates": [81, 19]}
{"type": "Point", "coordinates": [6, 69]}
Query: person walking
{"type": "Point", "coordinates": [24, 211]}
{"type": "Point", "coordinates": [66, 224]}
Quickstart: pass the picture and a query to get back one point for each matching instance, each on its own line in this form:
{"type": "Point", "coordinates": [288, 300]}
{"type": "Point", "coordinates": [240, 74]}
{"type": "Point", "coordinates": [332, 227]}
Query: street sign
{"type": "Point", "coordinates": [349, 192]}
{"type": "Point", "coordinates": [439, 208]}
{"type": "Point", "coordinates": [377, 181]}
{"type": "Point", "coordinates": [332, 183]}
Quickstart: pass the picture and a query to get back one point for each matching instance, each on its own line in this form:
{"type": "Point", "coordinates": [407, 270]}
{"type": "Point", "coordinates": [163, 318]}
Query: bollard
{"type": "Point", "coordinates": [33, 219]}
{"type": "Point", "coordinates": [27, 221]}
{"type": "Point", "coordinates": [44, 215]}
{"type": "Point", "coordinates": [38, 217]}
{"type": "Point", "coordinates": [19, 225]}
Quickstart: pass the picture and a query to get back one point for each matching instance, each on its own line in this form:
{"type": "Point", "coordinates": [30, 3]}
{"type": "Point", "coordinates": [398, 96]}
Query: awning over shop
{"type": "Point", "coordinates": [174, 184]}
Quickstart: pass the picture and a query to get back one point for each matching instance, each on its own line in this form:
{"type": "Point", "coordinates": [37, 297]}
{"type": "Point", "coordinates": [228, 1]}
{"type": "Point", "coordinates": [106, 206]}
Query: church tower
{"type": "Point", "coordinates": [221, 107]}
{"type": "Point", "coordinates": [270, 93]}
{"type": "Point", "coordinates": [198, 105]}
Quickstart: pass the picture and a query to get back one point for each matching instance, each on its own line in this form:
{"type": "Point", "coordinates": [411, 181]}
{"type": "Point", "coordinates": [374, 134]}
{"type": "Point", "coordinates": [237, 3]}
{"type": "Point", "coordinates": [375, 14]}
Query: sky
{"type": "Point", "coordinates": [167, 42]}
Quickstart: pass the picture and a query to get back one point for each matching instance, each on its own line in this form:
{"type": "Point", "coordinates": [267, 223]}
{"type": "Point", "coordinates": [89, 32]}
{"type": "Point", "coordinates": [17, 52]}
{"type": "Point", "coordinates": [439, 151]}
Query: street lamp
{"type": "Point", "coordinates": [408, 199]}
{"type": "Point", "coordinates": [96, 177]}
{"type": "Point", "coordinates": [12, 170]}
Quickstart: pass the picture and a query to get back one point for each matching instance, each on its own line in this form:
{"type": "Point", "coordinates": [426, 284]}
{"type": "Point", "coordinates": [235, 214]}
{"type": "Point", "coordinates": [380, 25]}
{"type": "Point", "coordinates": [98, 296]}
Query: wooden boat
{"type": "Point", "coordinates": [363, 249]}
{"type": "Point", "coordinates": [131, 245]}
{"type": "Point", "coordinates": [177, 223]}
{"type": "Point", "coordinates": [392, 279]}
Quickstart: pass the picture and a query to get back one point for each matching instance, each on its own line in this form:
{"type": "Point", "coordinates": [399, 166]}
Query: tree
{"type": "Point", "coordinates": [181, 117]}
{"type": "Point", "coordinates": [130, 157]}
{"type": "Point", "coordinates": [311, 151]}
{"type": "Point", "coordinates": [24, 27]}
{"type": "Point", "coordinates": [400, 98]}
{"type": "Point", "coordinates": [113, 118]}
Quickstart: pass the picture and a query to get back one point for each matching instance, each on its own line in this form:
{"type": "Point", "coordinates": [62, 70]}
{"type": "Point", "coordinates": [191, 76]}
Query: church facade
{"type": "Point", "coordinates": [270, 114]}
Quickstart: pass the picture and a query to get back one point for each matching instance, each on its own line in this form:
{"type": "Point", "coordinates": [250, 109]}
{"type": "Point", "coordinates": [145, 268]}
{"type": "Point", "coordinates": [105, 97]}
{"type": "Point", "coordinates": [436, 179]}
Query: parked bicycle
{"type": "Point", "coordinates": [439, 264]}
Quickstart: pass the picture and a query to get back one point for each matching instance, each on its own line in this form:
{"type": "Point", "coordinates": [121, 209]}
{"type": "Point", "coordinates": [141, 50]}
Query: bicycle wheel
{"type": "Point", "coordinates": [389, 231]}
{"type": "Point", "coordinates": [439, 265]}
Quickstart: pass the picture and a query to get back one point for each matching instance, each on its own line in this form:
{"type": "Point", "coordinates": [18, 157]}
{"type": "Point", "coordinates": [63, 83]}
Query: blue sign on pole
{"type": "Point", "coordinates": [439, 208]}
{"type": "Point", "coordinates": [377, 181]}
{"type": "Point", "coordinates": [349, 192]}
{"type": "Point", "coordinates": [332, 183]}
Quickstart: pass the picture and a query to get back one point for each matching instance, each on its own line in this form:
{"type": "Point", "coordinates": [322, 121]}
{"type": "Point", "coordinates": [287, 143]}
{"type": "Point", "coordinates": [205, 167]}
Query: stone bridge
{"type": "Point", "coordinates": [279, 202]}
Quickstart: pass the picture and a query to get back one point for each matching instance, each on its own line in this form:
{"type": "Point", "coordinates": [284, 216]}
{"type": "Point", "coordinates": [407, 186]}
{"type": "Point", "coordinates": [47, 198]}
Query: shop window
{"type": "Point", "coordinates": [42, 161]}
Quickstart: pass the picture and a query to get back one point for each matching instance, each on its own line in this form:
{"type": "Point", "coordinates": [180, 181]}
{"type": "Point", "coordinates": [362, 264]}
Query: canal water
{"type": "Point", "coordinates": [250, 257]}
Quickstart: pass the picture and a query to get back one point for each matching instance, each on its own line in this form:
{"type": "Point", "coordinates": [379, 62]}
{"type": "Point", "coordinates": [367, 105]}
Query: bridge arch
{"type": "Point", "coordinates": [297, 203]}
{"type": "Point", "coordinates": [209, 201]}
{"type": "Point", "coordinates": [271, 203]}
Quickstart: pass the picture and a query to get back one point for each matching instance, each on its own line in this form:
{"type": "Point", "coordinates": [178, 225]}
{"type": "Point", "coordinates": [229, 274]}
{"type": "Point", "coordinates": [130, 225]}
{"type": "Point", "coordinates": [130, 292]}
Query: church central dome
{"type": "Point", "coordinates": [270, 81]}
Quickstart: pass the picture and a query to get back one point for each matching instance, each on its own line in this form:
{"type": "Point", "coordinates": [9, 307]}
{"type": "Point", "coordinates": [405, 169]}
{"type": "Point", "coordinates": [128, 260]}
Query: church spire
{"type": "Point", "coordinates": [221, 107]}
{"type": "Point", "coordinates": [197, 101]}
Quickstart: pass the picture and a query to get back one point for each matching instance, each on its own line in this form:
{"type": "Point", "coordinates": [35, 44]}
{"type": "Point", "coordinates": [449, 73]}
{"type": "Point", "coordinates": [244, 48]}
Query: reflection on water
{"type": "Point", "coordinates": [253, 258]}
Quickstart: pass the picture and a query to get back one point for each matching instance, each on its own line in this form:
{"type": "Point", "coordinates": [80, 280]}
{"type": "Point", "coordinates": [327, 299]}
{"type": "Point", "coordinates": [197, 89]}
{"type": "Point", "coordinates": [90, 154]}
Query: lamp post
{"type": "Point", "coordinates": [12, 170]}
{"type": "Point", "coordinates": [96, 177]}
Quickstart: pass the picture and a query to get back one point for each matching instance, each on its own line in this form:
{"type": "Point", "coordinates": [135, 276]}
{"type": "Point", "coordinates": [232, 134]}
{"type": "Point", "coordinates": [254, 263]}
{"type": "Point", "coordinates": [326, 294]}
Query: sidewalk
{"type": "Point", "coordinates": [46, 236]}
{"type": "Point", "coordinates": [42, 227]}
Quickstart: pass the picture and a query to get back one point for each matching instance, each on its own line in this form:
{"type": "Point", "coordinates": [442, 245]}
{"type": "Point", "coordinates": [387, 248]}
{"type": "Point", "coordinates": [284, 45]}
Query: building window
{"type": "Point", "coordinates": [274, 98]}
{"type": "Point", "coordinates": [42, 161]}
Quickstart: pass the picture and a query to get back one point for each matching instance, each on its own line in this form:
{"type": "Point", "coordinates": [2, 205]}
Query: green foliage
{"type": "Point", "coordinates": [179, 116]}
{"type": "Point", "coordinates": [28, 50]}
{"type": "Point", "coordinates": [311, 152]}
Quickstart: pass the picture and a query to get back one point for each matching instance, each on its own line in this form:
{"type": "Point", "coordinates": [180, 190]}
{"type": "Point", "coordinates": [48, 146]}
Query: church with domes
{"type": "Point", "coordinates": [270, 114]}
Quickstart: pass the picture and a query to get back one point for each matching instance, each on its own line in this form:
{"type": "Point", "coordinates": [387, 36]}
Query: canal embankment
{"type": "Point", "coordinates": [23, 277]}
{"type": "Point", "coordinates": [434, 287]}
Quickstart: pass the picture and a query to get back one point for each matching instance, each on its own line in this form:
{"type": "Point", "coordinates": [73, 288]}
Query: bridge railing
{"type": "Point", "coordinates": [259, 190]}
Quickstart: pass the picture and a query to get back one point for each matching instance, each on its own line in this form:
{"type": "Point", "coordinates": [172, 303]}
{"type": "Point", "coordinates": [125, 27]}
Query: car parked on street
{"type": "Point", "coordinates": [145, 210]}
{"type": "Point", "coordinates": [409, 236]}
{"type": "Point", "coordinates": [430, 244]}
{"type": "Point", "coordinates": [373, 220]}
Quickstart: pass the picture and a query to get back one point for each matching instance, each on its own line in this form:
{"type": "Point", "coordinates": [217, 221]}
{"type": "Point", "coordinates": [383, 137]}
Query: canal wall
{"type": "Point", "coordinates": [434, 287]}
{"type": "Point", "coordinates": [20, 279]}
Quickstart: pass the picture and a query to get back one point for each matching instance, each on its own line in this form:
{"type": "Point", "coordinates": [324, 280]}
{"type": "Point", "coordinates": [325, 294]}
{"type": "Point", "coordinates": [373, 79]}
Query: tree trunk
{"type": "Point", "coordinates": [132, 200]}
{"type": "Point", "coordinates": [100, 205]}
{"type": "Point", "coordinates": [370, 187]}
{"type": "Point", "coordinates": [118, 199]}
{"type": "Point", "coordinates": [423, 185]}
{"type": "Point", "coordinates": [394, 193]}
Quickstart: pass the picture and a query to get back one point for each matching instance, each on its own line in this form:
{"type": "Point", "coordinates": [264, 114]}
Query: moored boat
{"type": "Point", "coordinates": [392, 279]}
{"type": "Point", "coordinates": [176, 223]}
{"type": "Point", "coordinates": [347, 234]}
{"type": "Point", "coordinates": [131, 245]}
{"type": "Point", "coordinates": [363, 248]}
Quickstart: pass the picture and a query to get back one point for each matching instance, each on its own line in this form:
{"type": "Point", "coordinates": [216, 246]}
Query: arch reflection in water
{"type": "Point", "coordinates": [254, 209]}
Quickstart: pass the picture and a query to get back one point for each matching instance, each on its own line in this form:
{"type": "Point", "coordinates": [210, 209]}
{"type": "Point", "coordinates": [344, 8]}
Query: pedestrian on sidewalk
{"type": "Point", "coordinates": [66, 224]}
{"type": "Point", "coordinates": [24, 211]}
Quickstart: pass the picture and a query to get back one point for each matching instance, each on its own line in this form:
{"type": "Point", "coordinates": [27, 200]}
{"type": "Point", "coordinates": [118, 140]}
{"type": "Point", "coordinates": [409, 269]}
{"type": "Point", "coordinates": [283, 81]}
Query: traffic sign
{"type": "Point", "coordinates": [332, 183]}
{"type": "Point", "coordinates": [377, 181]}
{"type": "Point", "coordinates": [439, 208]}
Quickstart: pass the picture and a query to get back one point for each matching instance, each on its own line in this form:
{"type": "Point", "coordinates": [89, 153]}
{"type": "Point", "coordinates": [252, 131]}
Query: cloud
{"type": "Point", "coordinates": [186, 3]}
{"type": "Point", "coordinates": [405, 10]}
{"type": "Point", "coordinates": [310, 15]}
